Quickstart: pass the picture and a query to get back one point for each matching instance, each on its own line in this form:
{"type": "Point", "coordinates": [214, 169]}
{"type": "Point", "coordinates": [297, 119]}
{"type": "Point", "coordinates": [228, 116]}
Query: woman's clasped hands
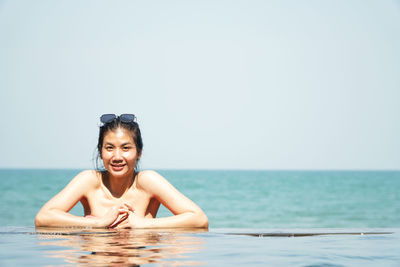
{"type": "Point", "coordinates": [128, 219]}
{"type": "Point", "coordinates": [119, 216]}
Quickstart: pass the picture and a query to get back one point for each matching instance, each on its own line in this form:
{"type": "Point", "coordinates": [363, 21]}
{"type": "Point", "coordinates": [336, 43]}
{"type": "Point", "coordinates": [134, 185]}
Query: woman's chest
{"type": "Point", "coordinates": [100, 201]}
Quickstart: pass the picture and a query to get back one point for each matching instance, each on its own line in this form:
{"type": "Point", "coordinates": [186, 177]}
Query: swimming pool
{"type": "Point", "coordinates": [216, 247]}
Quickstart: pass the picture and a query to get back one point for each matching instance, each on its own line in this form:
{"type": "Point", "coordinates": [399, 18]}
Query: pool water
{"type": "Point", "coordinates": [187, 247]}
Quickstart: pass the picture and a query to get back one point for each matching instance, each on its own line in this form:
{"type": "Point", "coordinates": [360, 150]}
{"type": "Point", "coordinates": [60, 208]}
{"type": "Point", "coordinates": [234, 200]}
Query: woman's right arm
{"type": "Point", "coordinates": [55, 211]}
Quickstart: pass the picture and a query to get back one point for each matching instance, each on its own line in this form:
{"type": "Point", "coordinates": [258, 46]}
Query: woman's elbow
{"type": "Point", "coordinates": [202, 221]}
{"type": "Point", "coordinates": [39, 220]}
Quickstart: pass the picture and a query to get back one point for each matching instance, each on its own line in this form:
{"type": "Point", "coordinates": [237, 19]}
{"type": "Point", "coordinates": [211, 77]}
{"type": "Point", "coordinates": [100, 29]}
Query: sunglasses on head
{"type": "Point", "coordinates": [106, 118]}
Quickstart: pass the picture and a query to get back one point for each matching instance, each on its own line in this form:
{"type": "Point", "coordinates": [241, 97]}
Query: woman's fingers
{"type": "Point", "coordinates": [122, 225]}
{"type": "Point", "coordinates": [129, 207]}
{"type": "Point", "coordinates": [119, 214]}
{"type": "Point", "coordinates": [123, 211]}
{"type": "Point", "coordinates": [122, 217]}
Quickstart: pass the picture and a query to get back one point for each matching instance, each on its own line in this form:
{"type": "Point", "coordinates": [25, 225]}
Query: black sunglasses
{"type": "Point", "coordinates": [106, 118]}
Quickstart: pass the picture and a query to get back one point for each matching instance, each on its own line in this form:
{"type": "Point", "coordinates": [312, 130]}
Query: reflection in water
{"type": "Point", "coordinates": [122, 247]}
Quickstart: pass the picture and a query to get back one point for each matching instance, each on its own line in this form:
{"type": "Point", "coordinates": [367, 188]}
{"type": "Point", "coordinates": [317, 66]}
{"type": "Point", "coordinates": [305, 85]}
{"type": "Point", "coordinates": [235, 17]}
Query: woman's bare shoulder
{"type": "Point", "coordinates": [88, 178]}
{"type": "Point", "coordinates": [148, 178]}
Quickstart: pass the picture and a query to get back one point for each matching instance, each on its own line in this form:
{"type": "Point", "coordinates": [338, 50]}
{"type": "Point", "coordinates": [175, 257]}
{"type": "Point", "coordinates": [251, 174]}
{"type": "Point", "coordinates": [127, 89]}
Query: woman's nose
{"type": "Point", "coordinates": [117, 154]}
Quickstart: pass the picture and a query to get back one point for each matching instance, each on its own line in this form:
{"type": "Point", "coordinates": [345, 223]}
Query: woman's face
{"type": "Point", "coordinates": [119, 152]}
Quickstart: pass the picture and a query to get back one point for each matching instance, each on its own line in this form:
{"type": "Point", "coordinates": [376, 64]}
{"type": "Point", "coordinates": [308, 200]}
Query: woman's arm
{"type": "Point", "coordinates": [55, 211]}
{"type": "Point", "coordinates": [186, 212]}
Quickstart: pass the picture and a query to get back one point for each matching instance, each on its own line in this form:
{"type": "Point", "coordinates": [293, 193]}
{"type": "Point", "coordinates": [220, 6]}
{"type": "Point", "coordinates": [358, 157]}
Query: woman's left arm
{"type": "Point", "coordinates": [186, 212]}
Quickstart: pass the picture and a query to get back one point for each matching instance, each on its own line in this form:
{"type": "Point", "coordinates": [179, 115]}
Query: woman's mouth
{"type": "Point", "coordinates": [117, 167]}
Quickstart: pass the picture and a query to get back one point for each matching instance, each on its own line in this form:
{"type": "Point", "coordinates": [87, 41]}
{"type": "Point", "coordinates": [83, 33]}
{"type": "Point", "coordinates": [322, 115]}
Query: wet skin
{"type": "Point", "coordinates": [120, 197]}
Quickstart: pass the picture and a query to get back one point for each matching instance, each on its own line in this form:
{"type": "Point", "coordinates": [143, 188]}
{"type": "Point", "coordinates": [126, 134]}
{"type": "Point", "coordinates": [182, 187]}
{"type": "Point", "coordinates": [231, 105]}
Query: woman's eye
{"type": "Point", "coordinates": [126, 148]}
{"type": "Point", "coordinates": [109, 148]}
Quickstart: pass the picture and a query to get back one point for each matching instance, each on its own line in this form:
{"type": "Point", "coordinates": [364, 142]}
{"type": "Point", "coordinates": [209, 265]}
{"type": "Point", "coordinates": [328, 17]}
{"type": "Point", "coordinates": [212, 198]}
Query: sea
{"type": "Point", "coordinates": [256, 217]}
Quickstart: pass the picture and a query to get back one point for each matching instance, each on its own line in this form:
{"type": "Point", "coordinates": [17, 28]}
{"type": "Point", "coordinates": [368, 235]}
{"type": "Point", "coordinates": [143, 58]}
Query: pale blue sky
{"type": "Point", "coordinates": [214, 84]}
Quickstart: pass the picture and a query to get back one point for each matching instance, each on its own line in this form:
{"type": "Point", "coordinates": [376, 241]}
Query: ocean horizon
{"type": "Point", "coordinates": [261, 198]}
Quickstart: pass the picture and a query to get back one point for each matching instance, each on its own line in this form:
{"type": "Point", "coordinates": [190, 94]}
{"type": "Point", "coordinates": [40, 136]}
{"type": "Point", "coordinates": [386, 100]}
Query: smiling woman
{"type": "Point", "coordinates": [120, 196]}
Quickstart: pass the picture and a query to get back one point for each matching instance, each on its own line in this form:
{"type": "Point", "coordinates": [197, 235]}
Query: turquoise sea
{"type": "Point", "coordinates": [256, 218]}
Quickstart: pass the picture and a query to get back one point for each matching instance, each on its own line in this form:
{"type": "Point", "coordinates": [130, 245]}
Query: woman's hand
{"type": "Point", "coordinates": [132, 221]}
{"type": "Point", "coordinates": [113, 217]}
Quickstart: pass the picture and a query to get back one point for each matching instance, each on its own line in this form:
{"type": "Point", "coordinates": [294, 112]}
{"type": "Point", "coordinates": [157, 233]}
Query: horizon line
{"type": "Point", "coordinates": [208, 169]}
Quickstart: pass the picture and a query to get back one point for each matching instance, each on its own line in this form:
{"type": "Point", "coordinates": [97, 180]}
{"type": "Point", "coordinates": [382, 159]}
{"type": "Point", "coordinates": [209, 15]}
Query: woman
{"type": "Point", "coordinates": [120, 196]}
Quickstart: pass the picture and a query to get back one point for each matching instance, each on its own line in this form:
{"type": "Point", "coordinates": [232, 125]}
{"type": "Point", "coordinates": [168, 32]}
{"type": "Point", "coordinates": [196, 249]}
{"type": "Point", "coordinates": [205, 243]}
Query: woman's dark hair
{"type": "Point", "coordinates": [132, 127]}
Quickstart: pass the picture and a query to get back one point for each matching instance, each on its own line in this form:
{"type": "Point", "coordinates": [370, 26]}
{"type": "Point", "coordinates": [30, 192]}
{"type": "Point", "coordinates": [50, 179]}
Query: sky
{"type": "Point", "coordinates": [284, 85]}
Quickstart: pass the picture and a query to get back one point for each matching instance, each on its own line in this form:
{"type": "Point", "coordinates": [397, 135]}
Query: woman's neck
{"type": "Point", "coordinates": [118, 185]}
